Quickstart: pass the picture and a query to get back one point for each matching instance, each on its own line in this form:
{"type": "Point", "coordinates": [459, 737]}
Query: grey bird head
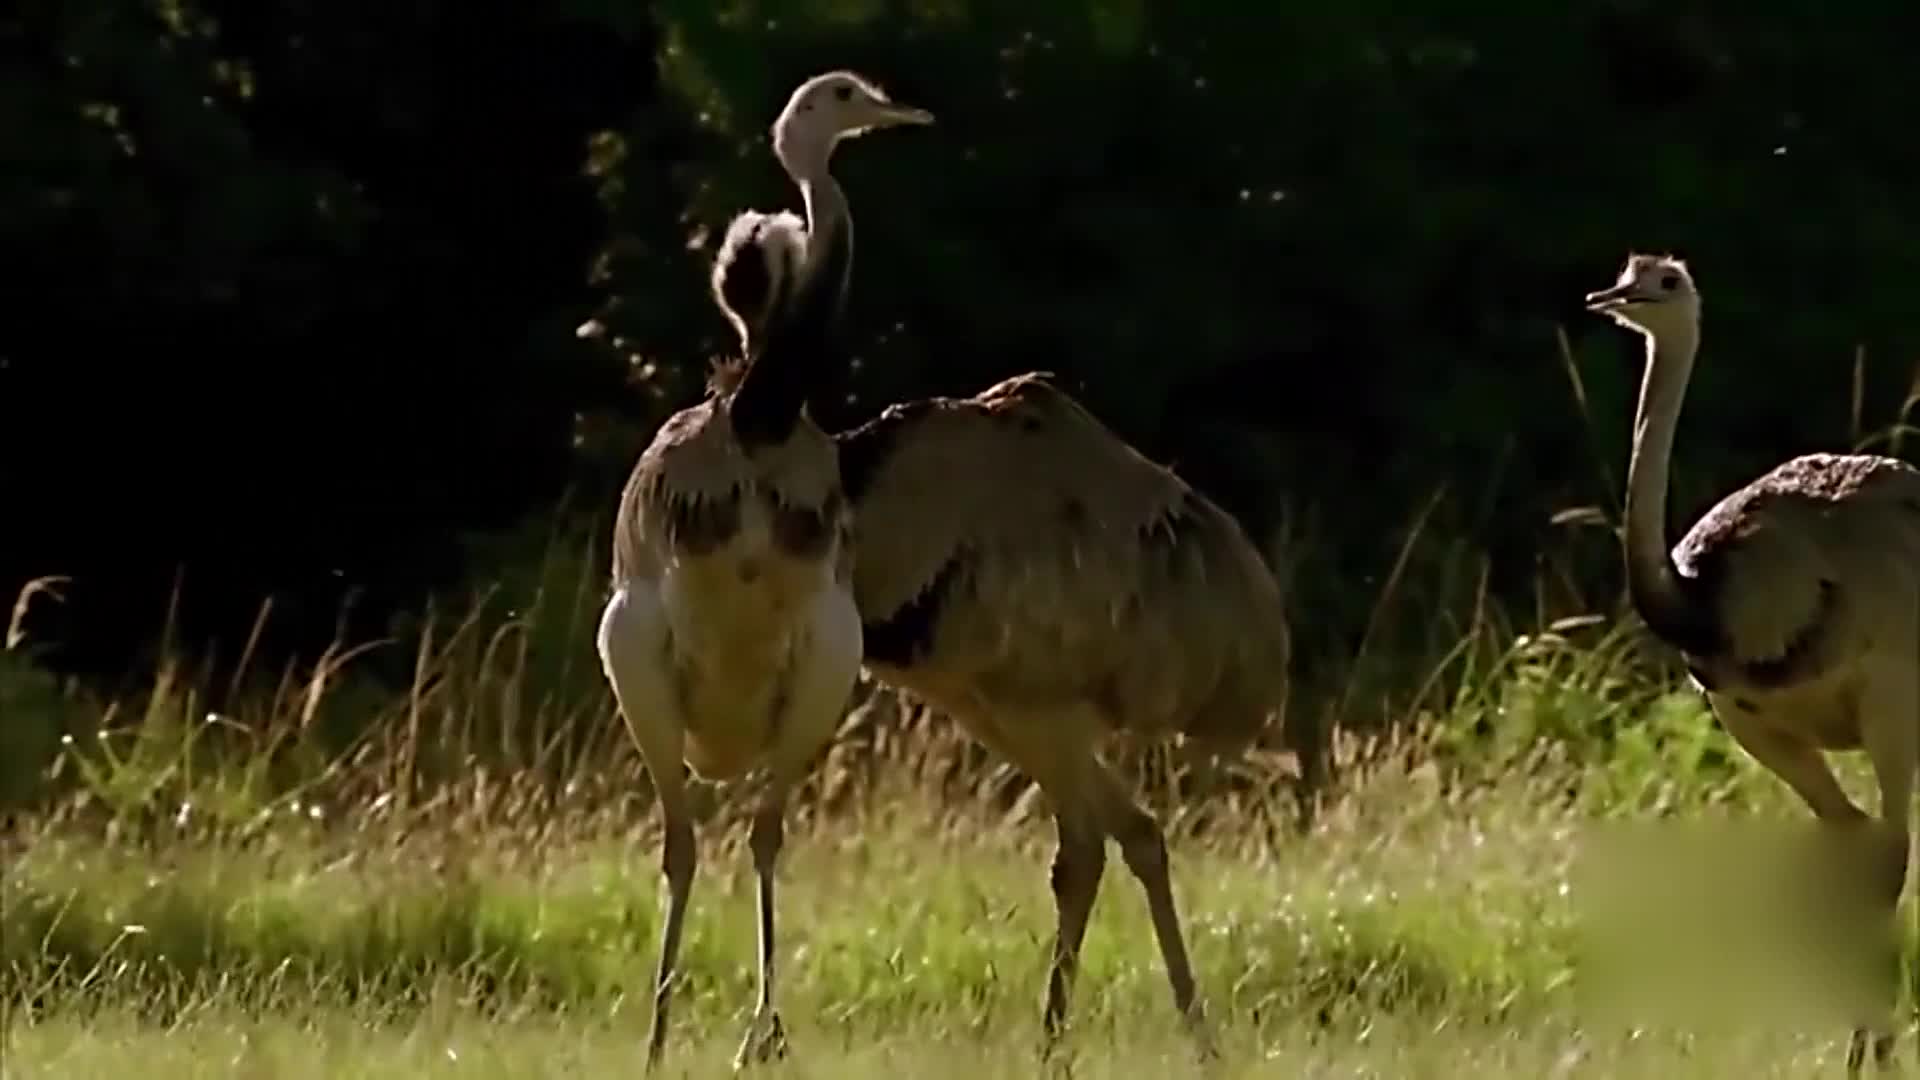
{"type": "Point", "coordinates": [1653, 294]}
{"type": "Point", "coordinates": [831, 107]}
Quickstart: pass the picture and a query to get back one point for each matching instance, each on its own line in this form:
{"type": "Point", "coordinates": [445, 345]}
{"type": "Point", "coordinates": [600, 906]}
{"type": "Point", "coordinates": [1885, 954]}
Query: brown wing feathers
{"type": "Point", "coordinates": [1812, 530]}
{"type": "Point", "coordinates": [1013, 521]}
{"type": "Point", "coordinates": [747, 439]}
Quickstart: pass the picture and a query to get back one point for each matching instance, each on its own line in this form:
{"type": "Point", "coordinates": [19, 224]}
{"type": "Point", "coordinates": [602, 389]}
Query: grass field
{"type": "Point", "coordinates": [213, 895]}
{"type": "Point", "coordinates": [1407, 934]}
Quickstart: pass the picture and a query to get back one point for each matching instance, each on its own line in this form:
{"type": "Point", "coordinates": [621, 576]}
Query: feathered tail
{"type": "Point", "coordinates": [755, 270]}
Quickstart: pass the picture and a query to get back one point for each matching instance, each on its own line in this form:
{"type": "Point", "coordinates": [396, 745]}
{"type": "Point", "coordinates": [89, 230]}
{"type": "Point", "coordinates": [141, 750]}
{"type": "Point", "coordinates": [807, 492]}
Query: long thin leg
{"type": "Point", "coordinates": [766, 1038]}
{"type": "Point", "coordinates": [820, 681]}
{"type": "Point", "coordinates": [1090, 804]}
{"type": "Point", "coordinates": [633, 643]}
{"type": "Point", "coordinates": [1078, 863]}
{"type": "Point", "coordinates": [1051, 748]}
{"type": "Point", "coordinates": [1145, 851]}
{"type": "Point", "coordinates": [678, 857]}
{"type": "Point", "coordinates": [1888, 712]}
{"type": "Point", "coordinates": [1804, 770]}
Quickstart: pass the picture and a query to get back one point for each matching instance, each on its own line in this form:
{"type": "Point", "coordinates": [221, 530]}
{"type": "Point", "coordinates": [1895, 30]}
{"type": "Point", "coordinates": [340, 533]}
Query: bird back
{"type": "Point", "coordinates": [1039, 557]}
{"type": "Point", "coordinates": [1817, 534]}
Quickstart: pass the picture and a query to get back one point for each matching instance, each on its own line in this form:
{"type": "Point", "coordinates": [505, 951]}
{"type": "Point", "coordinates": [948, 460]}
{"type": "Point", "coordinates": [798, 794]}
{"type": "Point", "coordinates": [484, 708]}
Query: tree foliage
{"type": "Point", "coordinates": [1317, 255]}
{"type": "Point", "coordinates": [300, 279]}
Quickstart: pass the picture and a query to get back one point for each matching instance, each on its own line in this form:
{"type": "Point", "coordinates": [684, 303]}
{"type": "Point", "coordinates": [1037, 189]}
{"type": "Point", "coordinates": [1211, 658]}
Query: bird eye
{"type": "Point", "coordinates": [1670, 282]}
{"type": "Point", "coordinates": [843, 93]}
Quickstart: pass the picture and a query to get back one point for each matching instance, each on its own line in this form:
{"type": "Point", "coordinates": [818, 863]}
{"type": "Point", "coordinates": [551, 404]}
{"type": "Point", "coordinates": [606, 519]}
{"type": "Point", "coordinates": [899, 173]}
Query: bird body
{"type": "Point", "coordinates": [1837, 539]}
{"type": "Point", "coordinates": [731, 638]}
{"type": "Point", "coordinates": [1020, 567]}
{"type": "Point", "coordinates": [1023, 569]}
{"type": "Point", "coordinates": [746, 555]}
{"type": "Point", "coordinates": [1795, 601]}
{"type": "Point", "coordinates": [1011, 550]}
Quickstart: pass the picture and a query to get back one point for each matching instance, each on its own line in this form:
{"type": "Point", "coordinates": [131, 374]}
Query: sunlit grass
{"type": "Point", "coordinates": [1412, 931]}
{"type": "Point", "coordinates": [887, 920]}
{"type": "Point", "coordinates": [461, 1043]}
{"type": "Point", "coordinates": [461, 879]}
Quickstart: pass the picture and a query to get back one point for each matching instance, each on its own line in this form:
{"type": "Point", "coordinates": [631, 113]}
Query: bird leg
{"type": "Point", "coordinates": [1090, 804]}
{"type": "Point", "coordinates": [766, 1037]}
{"type": "Point", "coordinates": [678, 858]}
{"type": "Point", "coordinates": [1890, 735]}
{"type": "Point", "coordinates": [634, 645]}
{"type": "Point", "coordinates": [1888, 863]}
{"type": "Point", "coordinates": [1078, 863]}
{"type": "Point", "coordinates": [1145, 851]}
{"type": "Point", "coordinates": [1795, 762]}
{"type": "Point", "coordinates": [1802, 768]}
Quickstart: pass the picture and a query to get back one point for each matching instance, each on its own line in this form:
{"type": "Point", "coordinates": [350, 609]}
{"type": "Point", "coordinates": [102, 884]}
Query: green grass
{"type": "Point", "coordinates": [893, 921]}
{"type": "Point", "coordinates": [460, 880]}
{"type": "Point", "coordinates": [334, 1043]}
{"type": "Point", "coordinates": [1411, 931]}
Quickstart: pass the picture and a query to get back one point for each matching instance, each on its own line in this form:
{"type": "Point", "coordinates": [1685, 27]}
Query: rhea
{"type": "Point", "coordinates": [1795, 601]}
{"type": "Point", "coordinates": [1025, 571]}
{"type": "Point", "coordinates": [1022, 569]}
{"type": "Point", "coordinates": [731, 638]}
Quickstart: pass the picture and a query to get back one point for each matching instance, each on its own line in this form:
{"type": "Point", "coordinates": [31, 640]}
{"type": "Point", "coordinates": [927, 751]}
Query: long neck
{"type": "Point", "coordinates": [800, 350]}
{"type": "Point", "coordinates": [1665, 599]}
{"type": "Point", "coordinates": [825, 275]}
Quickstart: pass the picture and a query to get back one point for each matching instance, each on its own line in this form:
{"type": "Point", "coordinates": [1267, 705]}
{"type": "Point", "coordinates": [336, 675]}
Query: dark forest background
{"type": "Point", "coordinates": [295, 282]}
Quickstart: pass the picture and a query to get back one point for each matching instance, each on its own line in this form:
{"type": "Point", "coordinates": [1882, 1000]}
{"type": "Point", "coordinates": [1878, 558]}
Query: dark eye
{"type": "Point", "coordinates": [843, 93]}
{"type": "Point", "coordinates": [1670, 282]}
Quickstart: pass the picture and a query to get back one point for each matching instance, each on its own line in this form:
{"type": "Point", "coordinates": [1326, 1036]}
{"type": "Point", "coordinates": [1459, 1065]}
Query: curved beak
{"type": "Point", "coordinates": [1610, 299]}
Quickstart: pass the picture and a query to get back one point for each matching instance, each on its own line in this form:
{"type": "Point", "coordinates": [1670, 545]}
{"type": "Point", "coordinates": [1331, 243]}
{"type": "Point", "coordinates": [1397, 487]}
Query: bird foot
{"type": "Point", "coordinates": [1054, 1061]}
{"type": "Point", "coordinates": [765, 1041]}
{"type": "Point", "coordinates": [1205, 1051]}
{"type": "Point", "coordinates": [656, 1046]}
{"type": "Point", "coordinates": [1882, 1047]}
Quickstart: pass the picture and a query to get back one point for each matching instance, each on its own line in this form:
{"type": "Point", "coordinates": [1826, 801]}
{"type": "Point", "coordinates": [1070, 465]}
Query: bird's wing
{"type": "Point", "coordinates": [1038, 557]}
{"type": "Point", "coordinates": [694, 455]}
{"type": "Point", "coordinates": [1019, 468]}
{"type": "Point", "coordinates": [686, 485]}
{"type": "Point", "coordinates": [1766, 577]}
{"type": "Point", "coordinates": [1786, 549]}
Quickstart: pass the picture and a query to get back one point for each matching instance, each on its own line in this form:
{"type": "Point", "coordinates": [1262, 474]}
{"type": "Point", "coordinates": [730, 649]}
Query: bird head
{"type": "Point", "coordinates": [1653, 294]}
{"type": "Point", "coordinates": [831, 107]}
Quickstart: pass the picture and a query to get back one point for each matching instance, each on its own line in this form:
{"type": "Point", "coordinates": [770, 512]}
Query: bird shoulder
{"type": "Point", "coordinates": [693, 456]}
